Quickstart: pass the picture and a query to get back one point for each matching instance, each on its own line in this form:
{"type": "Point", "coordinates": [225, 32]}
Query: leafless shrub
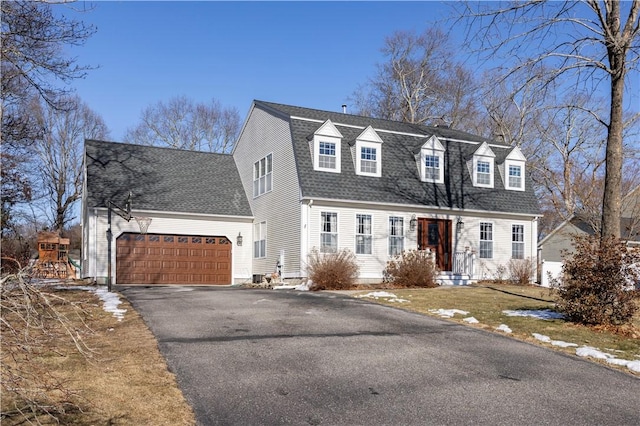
{"type": "Point", "coordinates": [521, 270]}
{"type": "Point", "coordinates": [594, 289]}
{"type": "Point", "coordinates": [332, 271]}
{"type": "Point", "coordinates": [412, 268]}
{"type": "Point", "coordinates": [31, 325]}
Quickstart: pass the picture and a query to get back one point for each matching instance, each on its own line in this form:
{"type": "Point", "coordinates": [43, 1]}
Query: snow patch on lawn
{"type": "Point", "coordinates": [588, 351]}
{"type": "Point", "coordinates": [471, 320]}
{"type": "Point", "coordinates": [448, 313]}
{"type": "Point", "coordinates": [504, 328]}
{"type": "Point", "coordinates": [390, 297]}
{"type": "Point", "coordinates": [110, 300]}
{"type": "Point", "coordinates": [545, 314]}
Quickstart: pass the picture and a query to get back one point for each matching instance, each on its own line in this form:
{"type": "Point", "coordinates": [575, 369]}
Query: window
{"type": "Point", "coordinates": [363, 234]}
{"type": "Point", "coordinates": [396, 235]}
{"type": "Point", "coordinates": [260, 240]}
{"type": "Point", "coordinates": [431, 161]}
{"type": "Point", "coordinates": [482, 166]}
{"type": "Point", "coordinates": [262, 175]}
{"type": "Point", "coordinates": [327, 157]}
{"type": "Point", "coordinates": [329, 233]}
{"type": "Point", "coordinates": [431, 168]}
{"type": "Point", "coordinates": [486, 240]}
{"type": "Point", "coordinates": [517, 241]}
{"type": "Point", "coordinates": [483, 173]}
{"type": "Point", "coordinates": [515, 176]}
{"type": "Point", "coordinates": [368, 163]}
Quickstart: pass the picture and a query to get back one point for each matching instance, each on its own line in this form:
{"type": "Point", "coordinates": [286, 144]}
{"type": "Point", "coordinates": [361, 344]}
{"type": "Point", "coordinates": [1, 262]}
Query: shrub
{"type": "Point", "coordinates": [521, 270]}
{"type": "Point", "coordinates": [594, 288]}
{"type": "Point", "coordinates": [412, 268]}
{"type": "Point", "coordinates": [332, 271]}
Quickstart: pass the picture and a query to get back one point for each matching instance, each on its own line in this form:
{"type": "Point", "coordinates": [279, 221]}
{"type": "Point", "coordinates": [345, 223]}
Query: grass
{"type": "Point", "coordinates": [123, 380]}
{"type": "Point", "coordinates": [485, 302]}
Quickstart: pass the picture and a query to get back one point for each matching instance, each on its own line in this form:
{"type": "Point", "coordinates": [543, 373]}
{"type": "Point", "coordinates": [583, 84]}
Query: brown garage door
{"type": "Point", "coordinates": [172, 259]}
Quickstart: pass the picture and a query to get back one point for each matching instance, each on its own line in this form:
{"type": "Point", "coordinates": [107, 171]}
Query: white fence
{"type": "Point", "coordinates": [550, 270]}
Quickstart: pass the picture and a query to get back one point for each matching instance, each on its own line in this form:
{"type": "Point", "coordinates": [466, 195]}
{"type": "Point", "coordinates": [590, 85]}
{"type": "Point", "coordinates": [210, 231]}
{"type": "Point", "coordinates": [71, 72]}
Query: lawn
{"type": "Point", "coordinates": [487, 302]}
{"type": "Point", "coordinates": [122, 379]}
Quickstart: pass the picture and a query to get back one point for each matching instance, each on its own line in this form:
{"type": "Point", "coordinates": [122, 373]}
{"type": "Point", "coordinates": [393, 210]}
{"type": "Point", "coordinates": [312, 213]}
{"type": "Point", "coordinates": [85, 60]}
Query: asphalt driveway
{"type": "Point", "coordinates": [265, 357]}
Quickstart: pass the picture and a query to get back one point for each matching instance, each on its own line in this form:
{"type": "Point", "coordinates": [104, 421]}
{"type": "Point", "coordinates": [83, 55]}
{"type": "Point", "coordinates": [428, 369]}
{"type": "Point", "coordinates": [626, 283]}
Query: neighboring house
{"type": "Point", "coordinates": [553, 247]}
{"type": "Point", "coordinates": [326, 181]}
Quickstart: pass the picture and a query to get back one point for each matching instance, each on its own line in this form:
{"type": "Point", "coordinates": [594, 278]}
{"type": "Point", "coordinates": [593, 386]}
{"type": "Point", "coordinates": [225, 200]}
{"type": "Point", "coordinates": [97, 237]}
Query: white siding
{"type": "Point", "coordinates": [470, 237]}
{"type": "Point", "coordinates": [264, 134]}
{"type": "Point", "coordinates": [95, 265]}
{"type": "Point", "coordinates": [371, 265]}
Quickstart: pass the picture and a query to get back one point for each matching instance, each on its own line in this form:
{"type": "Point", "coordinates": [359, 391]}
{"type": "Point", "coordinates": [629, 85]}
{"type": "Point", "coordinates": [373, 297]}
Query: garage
{"type": "Point", "coordinates": [173, 259]}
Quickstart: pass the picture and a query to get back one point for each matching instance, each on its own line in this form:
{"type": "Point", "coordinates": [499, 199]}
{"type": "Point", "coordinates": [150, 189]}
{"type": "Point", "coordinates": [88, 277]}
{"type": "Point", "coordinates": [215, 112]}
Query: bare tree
{"type": "Point", "coordinates": [183, 124]}
{"type": "Point", "coordinates": [583, 42]}
{"type": "Point", "coordinates": [419, 82]}
{"type": "Point", "coordinates": [33, 67]}
{"type": "Point", "coordinates": [59, 154]}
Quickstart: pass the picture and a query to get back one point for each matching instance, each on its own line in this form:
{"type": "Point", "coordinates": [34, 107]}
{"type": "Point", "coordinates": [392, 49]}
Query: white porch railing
{"type": "Point", "coordinates": [464, 263]}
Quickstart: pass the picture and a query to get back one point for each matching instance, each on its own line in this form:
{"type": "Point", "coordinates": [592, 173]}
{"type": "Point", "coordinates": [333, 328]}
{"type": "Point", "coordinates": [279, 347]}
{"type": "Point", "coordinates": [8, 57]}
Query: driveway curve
{"type": "Point", "coordinates": [265, 357]}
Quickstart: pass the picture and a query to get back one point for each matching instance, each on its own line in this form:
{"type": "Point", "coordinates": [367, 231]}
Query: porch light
{"type": "Point", "coordinates": [239, 239]}
{"type": "Point", "coordinates": [459, 225]}
{"type": "Point", "coordinates": [413, 222]}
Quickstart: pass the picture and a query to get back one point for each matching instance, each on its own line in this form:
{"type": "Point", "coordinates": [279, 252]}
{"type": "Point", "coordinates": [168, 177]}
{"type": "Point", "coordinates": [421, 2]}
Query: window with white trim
{"type": "Point", "coordinates": [483, 173]}
{"type": "Point", "coordinates": [368, 160]}
{"type": "Point", "coordinates": [260, 240]}
{"type": "Point", "coordinates": [396, 235]}
{"type": "Point", "coordinates": [368, 153]}
{"type": "Point", "coordinates": [327, 155]}
{"type": "Point", "coordinates": [363, 234]}
{"type": "Point", "coordinates": [263, 175]}
{"type": "Point", "coordinates": [513, 170]}
{"type": "Point", "coordinates": [517, 241]}
{"type": "Point", "coordinates": [431, 161]}
{"type": "Point", "coordinates": [329, 232]}
{"type": "Point", "coordinates": [482, 167]}
{"type": "Point", "coordinates": [486, 240]}
{"type": "Point", "coordinates": [432, 170]}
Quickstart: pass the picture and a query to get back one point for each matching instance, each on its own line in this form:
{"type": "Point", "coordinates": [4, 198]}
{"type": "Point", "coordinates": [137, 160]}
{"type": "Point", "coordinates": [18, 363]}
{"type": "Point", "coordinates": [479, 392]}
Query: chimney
{"type": "Point", "coordinates": [344, 108]}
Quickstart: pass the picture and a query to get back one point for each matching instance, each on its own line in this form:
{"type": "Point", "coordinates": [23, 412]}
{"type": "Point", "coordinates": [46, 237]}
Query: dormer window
{"type": "Point", "coordinates": [483, 173]}
{"type": "Point", "coordinates": [483, 166]}
{"type": "Point", "coordinates": [327, 155]}
{"type": "Point", "coordinates": [326, 148]}
{"type": "Point", "coordinates": [431, 161]}
{"type": "Point", "coordinates": [368, 153]}
{"type": "Point", "coordinates": [514, 170]}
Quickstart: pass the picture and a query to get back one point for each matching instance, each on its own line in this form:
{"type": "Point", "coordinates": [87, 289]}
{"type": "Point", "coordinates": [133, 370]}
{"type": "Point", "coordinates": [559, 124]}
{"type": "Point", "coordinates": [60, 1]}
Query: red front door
{"type": "Point", "coordinates": [435, 234]}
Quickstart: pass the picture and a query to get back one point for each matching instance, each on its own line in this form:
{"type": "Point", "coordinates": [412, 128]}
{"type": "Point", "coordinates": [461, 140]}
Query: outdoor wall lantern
{"type": "Point", "coordinates": [413, 222]}
{"type": "Point", "coordinates": [459, 225]}
{"type": "Point", "coordinates": [239, 239]}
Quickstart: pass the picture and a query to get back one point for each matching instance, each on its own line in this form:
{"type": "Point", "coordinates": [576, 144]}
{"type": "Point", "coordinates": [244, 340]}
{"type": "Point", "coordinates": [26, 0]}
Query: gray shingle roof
{"type": "Point", "coordinates": [400, 181]}
{"type": "Point", "coordinates": [164, 179]}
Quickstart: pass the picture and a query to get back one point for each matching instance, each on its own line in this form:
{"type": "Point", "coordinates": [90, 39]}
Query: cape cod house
{"type": "Point", "coordinates": [301, 179]}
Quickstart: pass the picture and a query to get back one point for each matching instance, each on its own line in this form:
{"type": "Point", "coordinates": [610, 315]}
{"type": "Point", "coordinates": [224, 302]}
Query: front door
{"type": "Point", "coordinates": [435, 234]}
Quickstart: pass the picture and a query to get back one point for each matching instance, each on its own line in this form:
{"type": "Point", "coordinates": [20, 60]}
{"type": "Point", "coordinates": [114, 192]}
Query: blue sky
{"type": "Point", "coordinates": [312, 54]}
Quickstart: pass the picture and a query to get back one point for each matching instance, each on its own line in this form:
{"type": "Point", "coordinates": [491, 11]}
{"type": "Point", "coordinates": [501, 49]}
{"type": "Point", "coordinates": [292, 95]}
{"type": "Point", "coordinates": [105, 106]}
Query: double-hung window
{"type": "Point", "coordinates": [363, 234]}
{"type": "Point", "coordinates": [260, 240]}
{"type": "Point", "coordinates": [515, 176]}
{"type": "Point", "coordinates": [517, 241]}
{"type": "Point", "coordinates": [329, 232]}
{"type": "Point", "coordinates": [263, 175]}
{"type": "Point", "coordinates": [368, 160]}
{"type": "Point", "coordinates": [486, 240]}
{"type": "Point", "coordinates": [432, 168]}
{"type": "Point", "coordinates": [396, 235]}
{"type": "Point", "coordinates": [483, 172]}
{"type": "Point", "coordinates": [327, 156]}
